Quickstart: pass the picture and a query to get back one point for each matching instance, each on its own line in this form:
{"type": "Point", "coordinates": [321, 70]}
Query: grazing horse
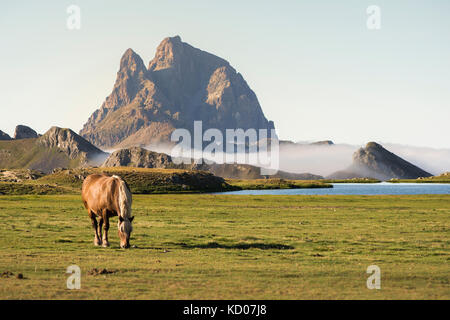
{"type": "Point", "coordinates": [104, 197]}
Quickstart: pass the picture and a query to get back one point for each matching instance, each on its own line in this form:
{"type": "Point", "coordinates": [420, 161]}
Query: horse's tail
{"type": "Point", "coordinates": [124, 198]}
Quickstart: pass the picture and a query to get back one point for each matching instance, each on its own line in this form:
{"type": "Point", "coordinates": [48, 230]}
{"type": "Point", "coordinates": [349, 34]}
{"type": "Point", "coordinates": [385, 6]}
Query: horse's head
{"type": "Point", "coordinates": [125, 229]}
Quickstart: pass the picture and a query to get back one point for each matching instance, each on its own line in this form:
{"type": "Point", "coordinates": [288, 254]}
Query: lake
{"type": "Point", "coordinates": [383, 188]}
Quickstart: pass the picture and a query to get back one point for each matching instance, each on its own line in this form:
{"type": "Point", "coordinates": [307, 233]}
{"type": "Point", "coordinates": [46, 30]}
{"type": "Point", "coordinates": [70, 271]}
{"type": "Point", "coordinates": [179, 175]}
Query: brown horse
{"type": "Point", "coordinates": [105, 197]}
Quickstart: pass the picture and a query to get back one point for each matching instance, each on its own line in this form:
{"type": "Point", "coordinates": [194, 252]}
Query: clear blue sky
{"type": "Point", "coordinates": [317, 70]}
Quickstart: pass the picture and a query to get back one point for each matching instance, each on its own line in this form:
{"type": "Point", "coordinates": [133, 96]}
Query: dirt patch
{"type": "Point", "coordinates": [240, 246]}
{"type": "Point", "coordinates": [317, 255]}
{"type": "Point", "coordinates": [8, 274]}
{"type": "Point", "coordinates": [97, 272]}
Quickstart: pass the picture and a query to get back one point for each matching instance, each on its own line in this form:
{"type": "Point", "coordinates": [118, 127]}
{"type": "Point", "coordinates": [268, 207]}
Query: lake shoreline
{"type": "Point", "coordinates": [380, 188]}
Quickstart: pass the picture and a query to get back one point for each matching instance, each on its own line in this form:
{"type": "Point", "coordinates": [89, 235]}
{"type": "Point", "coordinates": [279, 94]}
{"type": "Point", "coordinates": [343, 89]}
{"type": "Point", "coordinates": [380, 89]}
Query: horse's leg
{"type": "Point", "coordinates": [97, 240]}
{"type": "Point", "coordinates": [105, 228]}
{"type": "Point", "coordinates": [99, 227]}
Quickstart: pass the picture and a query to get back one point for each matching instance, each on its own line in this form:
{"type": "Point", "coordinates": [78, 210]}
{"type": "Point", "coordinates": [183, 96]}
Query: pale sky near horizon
{"type": "Point", "coordinates": [317, 70]}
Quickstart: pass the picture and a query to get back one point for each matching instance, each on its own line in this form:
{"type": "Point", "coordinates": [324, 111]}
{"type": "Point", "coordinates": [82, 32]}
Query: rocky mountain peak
{"type": "Point", "coordinates": [374, 145]}
{"type": "Point", "coordinates": [377, 162]}
{"type": "Point", "coordinates": [4, 136]}
{"type": "Point", "coordinates": [371, 153]}
{"type": "Point", "coordinates": [182, 84]}
{"type": "Point", "coordinates": [130, 79]}
{"type": "Point", "coordinates": [70, 143]}
{"type": "Point", "coordinates": [132, 63]}
{"type": "Point", "coordinates": [167, 53]}
{"type": "Point", "coordinates": [184, 64]}
{"type": "Point", "coordinates": [24, 132]}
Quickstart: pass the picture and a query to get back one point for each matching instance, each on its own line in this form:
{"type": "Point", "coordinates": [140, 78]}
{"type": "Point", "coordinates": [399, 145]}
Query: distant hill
{"type": "Point", "coordinates": [4, 136]}
{"type": "Point", "coordinates": [181, 84]}
{"type": "Point", "coordinates": [58, 147]}
{"type": "Point", "coordinates": [141, 181]}
{"type": "Point", "coordinates": [322, 143]}
{"type": "Point", "coordinates": [374, 161]}
{"type": "Point", "coordinates": [21, 132]}
{"type": "Point", "coordinates": [24, 132]}
{"type": "Point", "coordinates": [142, 158]}
{"type": "Point", "coordinates": [73, 145]}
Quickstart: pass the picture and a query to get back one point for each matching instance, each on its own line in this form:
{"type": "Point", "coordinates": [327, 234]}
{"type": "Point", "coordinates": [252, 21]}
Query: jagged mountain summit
{"type": "Point", "coordinates": [73, 145]}
{"type": "Point", "coordinates": [24, 132]}
{"type": "Point", "coordinates": [21, 132]}
{"type": "Point", "coordinates": [375, 161]}
{"type": "Point", "coordinates": [181, 84]}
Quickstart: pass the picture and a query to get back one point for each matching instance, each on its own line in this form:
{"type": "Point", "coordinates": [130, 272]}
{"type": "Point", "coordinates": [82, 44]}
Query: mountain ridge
{"type": "Point", "coordinates": [58, 147]}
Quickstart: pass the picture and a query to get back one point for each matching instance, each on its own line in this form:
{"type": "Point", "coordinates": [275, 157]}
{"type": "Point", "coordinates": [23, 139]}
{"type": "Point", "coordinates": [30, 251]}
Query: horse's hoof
{"type": "Point", "coordinates": [105, 244]}
{"type": "Point", "coordinates": [97, 243]}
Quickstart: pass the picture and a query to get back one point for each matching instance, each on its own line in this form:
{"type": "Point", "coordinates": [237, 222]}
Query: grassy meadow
{"type": "Point", "coordinates": [200, 246]}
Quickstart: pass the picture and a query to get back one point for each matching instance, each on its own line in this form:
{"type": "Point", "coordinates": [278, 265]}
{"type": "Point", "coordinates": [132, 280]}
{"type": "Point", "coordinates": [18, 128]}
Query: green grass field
{"type": "Point", "coordinates": [192, 246]}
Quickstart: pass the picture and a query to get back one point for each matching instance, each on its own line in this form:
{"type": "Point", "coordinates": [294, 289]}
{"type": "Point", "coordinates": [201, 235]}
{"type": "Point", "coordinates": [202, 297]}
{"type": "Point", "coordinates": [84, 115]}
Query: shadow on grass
{"type": "Point", "coordinates": [241, 246]}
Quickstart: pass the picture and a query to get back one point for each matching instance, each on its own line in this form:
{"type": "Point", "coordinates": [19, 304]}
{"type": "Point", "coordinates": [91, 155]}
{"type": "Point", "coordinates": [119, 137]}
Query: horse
{"type": "Point", "coordinates": [104, 197]}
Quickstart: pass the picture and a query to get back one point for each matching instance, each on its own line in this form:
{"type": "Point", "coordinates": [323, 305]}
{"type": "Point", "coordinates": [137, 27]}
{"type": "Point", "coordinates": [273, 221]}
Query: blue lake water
{"type": "Point", "coordinates": [358, 189]}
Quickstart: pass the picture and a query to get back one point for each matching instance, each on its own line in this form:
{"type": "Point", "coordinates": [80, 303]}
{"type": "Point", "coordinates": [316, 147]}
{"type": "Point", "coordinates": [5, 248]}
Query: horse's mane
{"type": "Point", "coordinates": [124, 197]}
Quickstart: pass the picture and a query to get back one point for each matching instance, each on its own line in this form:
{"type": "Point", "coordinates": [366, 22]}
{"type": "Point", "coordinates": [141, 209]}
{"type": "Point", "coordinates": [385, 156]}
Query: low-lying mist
{"type": "Point", "coordinates": [299, 158]}
{"type": "Point", "coordinates": [317, 159]}
{"type": "Point", "coordinates": [327, 159]}
{"type": "Point", "coordinates": [435, 161]}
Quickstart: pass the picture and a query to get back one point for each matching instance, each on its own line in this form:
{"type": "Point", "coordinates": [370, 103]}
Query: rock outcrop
{"type": "Point", "coordinates": [180, 85]}
{"type": "Point", "coordinates": [24, 132]}
{"type": "Point", "coordinates": [19, 175]}
{"type": "Point", "coordinates": [4, 136]}
{"type": "Point", "coordinates": [376, 162]}
{"type": "Point", "coordinates": [138, 157]}
{"type": "Point", "coordinates": [73, 145]}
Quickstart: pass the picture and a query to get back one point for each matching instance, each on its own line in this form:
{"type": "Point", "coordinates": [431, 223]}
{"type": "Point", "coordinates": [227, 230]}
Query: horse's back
{"type": "Point", "coordinates": [92, 181]}
{"type": "Point", "coordinates": [98, 191]}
